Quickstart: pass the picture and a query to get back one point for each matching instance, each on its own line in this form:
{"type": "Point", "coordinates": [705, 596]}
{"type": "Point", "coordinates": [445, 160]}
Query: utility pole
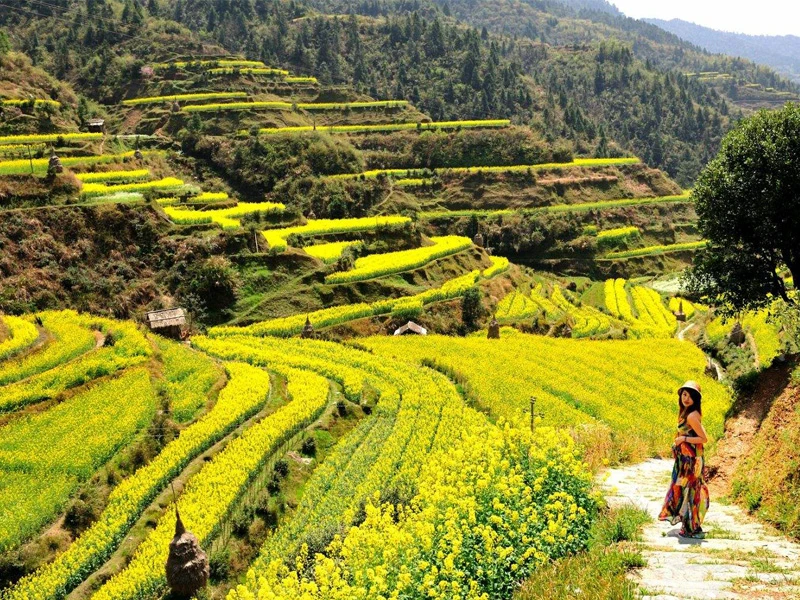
{"type": "Point", "coordinates": [30, 156]}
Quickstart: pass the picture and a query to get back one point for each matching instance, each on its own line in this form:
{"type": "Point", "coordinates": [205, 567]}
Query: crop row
{"type": "Point", "coordinates": [45, 457]}
{"type": "Point", "coordinates": [252, 71]}
{"type": "Point", "coordinates": [245, 394]}
{"type": "Point", "coordinates": [277, 238]}
{"type": "Point", "coordinates": [406, 173]}
{"type": "Point", "coordinates": [419, 411]}
{"type": "Point", "coordinates": [615, 236]}
{"type": "Point", "coordinates": [605, 204]}
{"type": "Point", "coordinates": [224, 63]}
{"type": "Point", "coordinates": [100, 189]}
{"type": "Point", "coordinates": [336, 315]}
{"type": "Point", "coordinates": [29, 102]}
{"type": "Point", "coordinates": [227, 218]}
{"type": "Point", "coordinates": [586, 320]}
{"type": "Point", "coordinates": [515, 306]}
{"type": "Point", "coordinates": [677, 304]}
{"type": "Point", "coordinates": [656, 250]}
{"type": "Point", "coordinates": [48, 137]}
{"type": "Point", "coordinates": [132, 175]}
{"type": "Point", "coordinates": [575, 207]}
{"type": "Point", "coordinates": [651, 311]}
{"type": "Point", "coordinates": [69, 337]}
{"type": "Point", "coordinates": [328, 253]}
{"type": "Point", "coordinates": [212, 493]}
{"type": "Point", "coordinates": [380, 265]}
{"type": "Point", "coordinates": [388, 127]}
{"type": "Point", "coordinates": [202, 198]}
{"type": "Point", "coordinates": [189, 376]}
{"type": "Point", "coordinates": [21, 149]}
{"type": "Point", "coordinates": [274, 105]}
{"type": "Point", "coordinates": [130, 348]}
{"type": "Point", "coordinates": [183, 98]}
{"type": "Point", "coordinates": [500, 264]}
{"type": "Point", "coordinates": [575, 382]}
{"type": "Point", "coordinates": [20, 335]}
{"type": "Point", "coordinates": [23, 166]}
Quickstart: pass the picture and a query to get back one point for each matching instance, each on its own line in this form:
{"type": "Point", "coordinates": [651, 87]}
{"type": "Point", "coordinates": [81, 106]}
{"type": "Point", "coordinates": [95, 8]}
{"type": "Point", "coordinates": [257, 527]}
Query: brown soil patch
{"type": "Point", "coordinates": [747, 414]}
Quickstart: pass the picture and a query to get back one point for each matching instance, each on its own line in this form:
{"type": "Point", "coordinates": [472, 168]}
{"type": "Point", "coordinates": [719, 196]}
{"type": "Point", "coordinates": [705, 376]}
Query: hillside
{"type": "Point", "coordinates": [779, 52]}
{"type": "Point", "coordinates": [421, 276]}
{"type": "Point", "coordinates": [556, 75]}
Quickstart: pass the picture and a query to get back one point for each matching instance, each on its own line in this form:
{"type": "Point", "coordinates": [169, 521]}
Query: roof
{"type": "Point", "coordinates": [165, 318]}
{"type": "Point", "coordinates": [412, 327]}
{"type": "Point", "coordinates": [96, 121]}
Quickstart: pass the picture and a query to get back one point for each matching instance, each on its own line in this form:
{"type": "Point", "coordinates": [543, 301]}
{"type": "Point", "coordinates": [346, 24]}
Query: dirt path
{"type": "Point", "coordinates": [739, 558]}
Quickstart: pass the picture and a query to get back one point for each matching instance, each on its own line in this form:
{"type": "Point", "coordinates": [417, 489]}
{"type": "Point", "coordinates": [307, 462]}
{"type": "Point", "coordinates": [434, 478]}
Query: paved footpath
{"type": "Point", "coordinates": [739, 558]}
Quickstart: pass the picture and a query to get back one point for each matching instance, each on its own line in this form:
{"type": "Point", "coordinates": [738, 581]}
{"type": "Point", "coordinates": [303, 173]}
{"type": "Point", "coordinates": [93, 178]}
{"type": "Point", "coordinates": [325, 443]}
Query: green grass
{"type": "Point", "coordinates": [600, 572]}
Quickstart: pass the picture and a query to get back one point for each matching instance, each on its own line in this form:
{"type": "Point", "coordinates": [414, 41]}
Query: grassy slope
{"type": "Point", "coordinates": [766, 481]}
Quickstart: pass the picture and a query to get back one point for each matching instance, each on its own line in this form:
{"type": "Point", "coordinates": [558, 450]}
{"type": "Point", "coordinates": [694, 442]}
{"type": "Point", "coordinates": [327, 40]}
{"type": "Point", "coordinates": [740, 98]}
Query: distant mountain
{"type": "Point", "coordinates": [781, 52]}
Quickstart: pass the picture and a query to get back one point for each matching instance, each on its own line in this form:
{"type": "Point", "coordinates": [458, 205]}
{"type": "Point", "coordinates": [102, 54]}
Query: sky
{"type": "Point", "coordinates": [765, 17]}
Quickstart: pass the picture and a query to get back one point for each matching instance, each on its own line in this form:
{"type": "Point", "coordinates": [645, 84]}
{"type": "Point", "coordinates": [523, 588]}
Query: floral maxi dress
{"type": "Point", "coordinates": [687, 499]}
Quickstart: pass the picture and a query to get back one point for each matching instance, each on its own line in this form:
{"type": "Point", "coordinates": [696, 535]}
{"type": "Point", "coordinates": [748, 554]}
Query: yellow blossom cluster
{"type": "Point", "coordinates": [575, 382]}
{"type": "Point", "coordinates": [44, 457]}
{"type": "Point", "coordinates": [489, 510]}
{"type": "Point", "coordinates": [245, 394]}
{"type": "Point", "coordinates": [21, 334]}
{"type": "Point", "coordinates": [212, 493]}
{"type": "Point", "coordinates": [379, 265]}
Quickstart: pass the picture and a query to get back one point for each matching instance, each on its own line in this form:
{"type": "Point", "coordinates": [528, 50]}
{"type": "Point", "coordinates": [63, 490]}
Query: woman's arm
{"type": "Point", "coordinates": [697, 426]}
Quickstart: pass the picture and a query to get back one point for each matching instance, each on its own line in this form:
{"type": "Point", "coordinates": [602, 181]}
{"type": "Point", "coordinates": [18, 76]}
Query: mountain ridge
{"type": "Point", "coordinates": [781, 52]}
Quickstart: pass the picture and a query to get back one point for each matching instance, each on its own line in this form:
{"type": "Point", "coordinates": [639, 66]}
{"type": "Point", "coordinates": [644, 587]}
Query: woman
{"type": "Point", "coordinates": [687, 498]}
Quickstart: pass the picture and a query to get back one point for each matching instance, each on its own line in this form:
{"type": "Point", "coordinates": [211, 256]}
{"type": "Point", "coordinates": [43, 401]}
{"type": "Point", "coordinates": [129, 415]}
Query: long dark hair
{"type": "Point", "coordinates": [697, 406]}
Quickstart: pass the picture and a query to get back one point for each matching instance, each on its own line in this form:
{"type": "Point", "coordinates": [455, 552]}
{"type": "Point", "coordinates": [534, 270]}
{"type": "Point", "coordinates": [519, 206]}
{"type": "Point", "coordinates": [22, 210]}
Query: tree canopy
{"type": "Point", "coordinates": [748, 204]}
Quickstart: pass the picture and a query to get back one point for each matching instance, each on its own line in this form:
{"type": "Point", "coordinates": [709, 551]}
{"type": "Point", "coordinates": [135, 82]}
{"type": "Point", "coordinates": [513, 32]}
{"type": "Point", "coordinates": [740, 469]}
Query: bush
{"type": "Point", "coordinates": [219, 564]}
{"type": "Point", "coordinates": [309, 446]}
{"type": "Point", "coordinates": [282, 467]}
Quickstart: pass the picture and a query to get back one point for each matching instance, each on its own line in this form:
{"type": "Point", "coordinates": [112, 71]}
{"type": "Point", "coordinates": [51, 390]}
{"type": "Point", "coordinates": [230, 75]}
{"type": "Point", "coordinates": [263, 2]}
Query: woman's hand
{"type": "Point", "coordinates": [680, 439]}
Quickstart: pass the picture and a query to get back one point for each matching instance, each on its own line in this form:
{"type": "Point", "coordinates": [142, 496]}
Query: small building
{"type": "Point", "coordinates": [411, 328]}
{"type": "Point", "coordinates": [96, 125]}
{"type": "Point", "coordinates": [168, 322]}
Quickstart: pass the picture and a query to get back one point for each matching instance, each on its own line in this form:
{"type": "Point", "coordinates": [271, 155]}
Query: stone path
{"type": "Point", "coordinates": [738, 559]}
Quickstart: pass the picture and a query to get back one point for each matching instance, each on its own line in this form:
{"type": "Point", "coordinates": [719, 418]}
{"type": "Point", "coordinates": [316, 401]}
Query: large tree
{"type": "Point", "coordinates": [748, 203]}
